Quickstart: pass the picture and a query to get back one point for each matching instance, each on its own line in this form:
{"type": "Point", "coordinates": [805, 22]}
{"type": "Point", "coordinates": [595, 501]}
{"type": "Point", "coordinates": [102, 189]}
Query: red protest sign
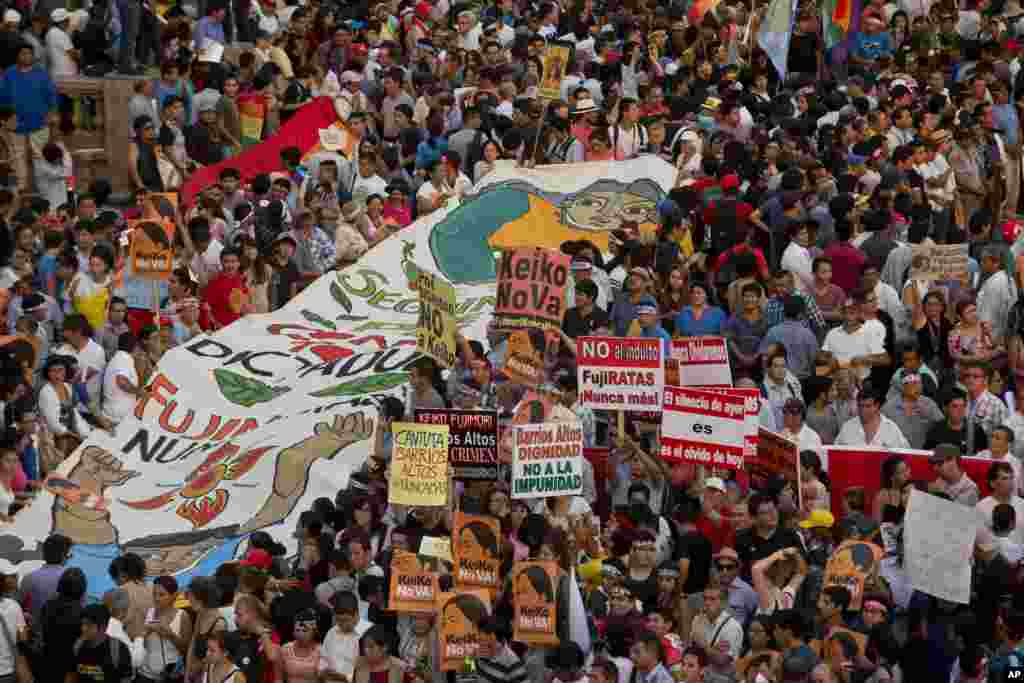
{"type": "Point", "coordinates": [702, 362]}
{"type": "Point", "coordinates": [531, 288]}
{"type": "Point", "coordinates": [703, 427]}
{"type": "Point", "coordinates": [776, 456]}
{"type": "Point", "coordinates": [620, 373]}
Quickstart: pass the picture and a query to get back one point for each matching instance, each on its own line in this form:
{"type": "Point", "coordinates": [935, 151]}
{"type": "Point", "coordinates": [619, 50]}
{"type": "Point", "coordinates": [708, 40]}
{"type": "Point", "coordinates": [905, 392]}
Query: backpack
{"type": "Point", "coordinates": [115, 653]}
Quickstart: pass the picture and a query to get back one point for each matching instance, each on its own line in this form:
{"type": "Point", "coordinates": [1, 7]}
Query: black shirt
{"type": "Point", "coordinates": [696, 548]}
{"type": "Point", "coordinates": [803, 53]}
{"type": "Point", "coordinates": [95, 663]}
{"type": "Point", "coordinates": [574, 324]}
{"type": "Point", "coordinates": [941, 432]}
{"type": "Point", "coordinates": [751, 546]}
{"type": "Point", "coordinates": [281, 281]}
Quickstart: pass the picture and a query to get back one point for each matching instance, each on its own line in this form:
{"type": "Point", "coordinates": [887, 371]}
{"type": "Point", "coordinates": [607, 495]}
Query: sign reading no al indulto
{"type": "Point", "coordinates": [547, 460]}
{"type": "Point", "coordinates": [703, 361]}
{"type": "Point", "coordinates": [620, 373]}
{"type": "Point", "coordinates": [703, 427]}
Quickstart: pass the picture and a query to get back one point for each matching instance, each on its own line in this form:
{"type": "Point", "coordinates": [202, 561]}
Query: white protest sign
{"type": "Point", "coordinates": [938, 540]}
{"type": "Point", "coordinates": [703, 427]}
{"type": "Point", "coordinates": [703, 361]}
{"type": "Point", "coordinates": [620, 373]}
{"type": "Point", "coordinates": [547, 460]}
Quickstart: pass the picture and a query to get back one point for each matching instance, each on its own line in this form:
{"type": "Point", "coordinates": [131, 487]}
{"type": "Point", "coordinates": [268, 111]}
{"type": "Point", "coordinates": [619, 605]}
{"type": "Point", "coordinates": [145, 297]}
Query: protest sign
{"type": "Point", "coordinates": [547, 460]}
{"type": "Point", "coordinates": [252, 114]}
{"type": "Point", "coordinates": [938, 542]}
{"type": "Point", "coordinates": [524, 362]}
{"type": "Point", "coordinates": [460, 636]}
{"type": "Point", "coordinates": [414, 582]}
{"type": "Point", "coordinates": [702, 361]}
{"type": "Point", "coordinates": [419, 464]}
{"type": "Point", "coordinates": [556, 60]}
{"type": "Point", "coordinates": [534, 600]}
{"type": "Point", "coordinates": [703, 427]}
{"type": "Point", "coordinates": [477, 545]}
{"type": "Point", "coordinates": [861, 466]}
{"type": "Point", "coordinates": [152, 248]}
{"type": "Point", "coordinates": [850, 566]}
{"type": "Point", "coordinates": [751, 423]}
{"type": "Point", "coordinates": [777, 456]}
{"type": "Point", "coordinates": [939, 262]}
{"type": "Point", "coordinates": [620, 373]}
{"type": "Point", "coordinates": [244, 427]}
{"type": "Point", "coordinates": [436, 546]}
{"type": "Point", "coordinates": [435, 330]}
{"type": "Point", "coordinates": [472, 440]}
{"type": "Point", "coordinates": [531, 288]}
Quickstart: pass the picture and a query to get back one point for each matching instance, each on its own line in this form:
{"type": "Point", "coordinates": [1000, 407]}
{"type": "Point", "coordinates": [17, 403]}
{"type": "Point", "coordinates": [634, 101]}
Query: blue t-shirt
{"type": "Point", "coordinates": [873, 46]}
{"type": "Point", "coordinates": [659, 331]}
{"type": "Point", "coordinates": [709, 324]}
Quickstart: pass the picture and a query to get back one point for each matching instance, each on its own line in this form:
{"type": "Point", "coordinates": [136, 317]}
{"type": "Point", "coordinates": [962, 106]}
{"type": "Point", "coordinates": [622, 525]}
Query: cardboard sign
{"type": "Point", "coordinates": [460, 636]}
{"type": "Point", "coordinates": [938, 543]}
{"type": "Point", "coordinates": [862, 466]}
{"type": "Point", "coordinates": [414, 582]}
{"type": "Point", "coordinates": [436, 546]}
{"type": "Point", "coordinates": [477, 545]}
{"type": "Point", "coordinates": [531, 288]}
{"type": "Point", "coordinates": [535, 602]}
{"type": "Point", "coordinates": [152, 248]}
{"type": "Point", "coordinates": [850, 566]}
{"type": "Point", "coordinates": [776, 456]}
{"type": "Point", "coordinates": [472, 440]}
{"type": "Point", "coordinates": [556, 62]}
{"type": "Point", "coordinates": [703, 427]}
{"type": "Point", "coordinates": [524, 362]}
{"type": "Point", "coordinates": [547, 460]}
{"type": "Point", "coordinates": [939, 262]}
{"type": "Point", "coordinates": [620, 373]}
{"type": "Point", "coordinates": [702, 361]}
{"type": "Point", "coordinates": [419, 467]}
{"type": "Point", "coordinates": [435, 329]}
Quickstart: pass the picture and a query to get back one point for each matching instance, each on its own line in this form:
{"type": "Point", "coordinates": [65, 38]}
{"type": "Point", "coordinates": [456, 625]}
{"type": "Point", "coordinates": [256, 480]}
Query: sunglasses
{"type": "Point", "coordinates": [726, 566]}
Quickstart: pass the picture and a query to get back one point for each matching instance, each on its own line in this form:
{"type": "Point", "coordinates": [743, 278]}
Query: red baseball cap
{"type": "Point", "coordinates": [258, 558]}
{"type": "Point", "coordinates": [730, 181]}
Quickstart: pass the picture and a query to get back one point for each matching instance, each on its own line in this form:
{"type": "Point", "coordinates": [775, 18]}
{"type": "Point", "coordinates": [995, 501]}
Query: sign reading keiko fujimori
{"type": "Point", "coordinates": [703, 361]}
{"type": "Point", "coordinates": [703, 427]}
{"type": "Point", "coordinates": [620, 373]}
{"type": "Point", "coordinates": [547, 460]}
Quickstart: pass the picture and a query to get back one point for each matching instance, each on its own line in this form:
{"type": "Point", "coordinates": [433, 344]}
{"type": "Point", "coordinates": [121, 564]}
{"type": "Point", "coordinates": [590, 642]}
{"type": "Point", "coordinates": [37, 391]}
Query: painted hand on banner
{"type": "Point", "coordinates": [96, 471]}
{"type": "Point", "coordinates": [291, 471]}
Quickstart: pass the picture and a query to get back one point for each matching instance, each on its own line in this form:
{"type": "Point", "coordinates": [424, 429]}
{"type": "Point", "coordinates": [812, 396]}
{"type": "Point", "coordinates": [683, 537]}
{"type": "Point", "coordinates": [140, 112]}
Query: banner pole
{"type": "Point", "coordinates": [540, 130]}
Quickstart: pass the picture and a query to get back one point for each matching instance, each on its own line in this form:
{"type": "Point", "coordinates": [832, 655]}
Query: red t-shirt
{"type": "Point", "coordinates": [225, 295]}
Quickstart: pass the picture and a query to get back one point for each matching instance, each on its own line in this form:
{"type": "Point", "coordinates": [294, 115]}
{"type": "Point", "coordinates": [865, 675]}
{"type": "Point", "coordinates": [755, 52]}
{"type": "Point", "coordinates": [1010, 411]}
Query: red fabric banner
{"type": "Point", "coordinates": [852, 466]}
{"type": "Point", "coordinates": [302, 130]}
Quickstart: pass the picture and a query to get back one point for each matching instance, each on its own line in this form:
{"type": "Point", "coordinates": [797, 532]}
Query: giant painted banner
{"type": "Point", "coordinates": [246, 427]}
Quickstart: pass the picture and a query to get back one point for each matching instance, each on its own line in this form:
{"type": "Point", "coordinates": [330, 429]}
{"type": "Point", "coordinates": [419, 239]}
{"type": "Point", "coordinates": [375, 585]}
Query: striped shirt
{"type": "Point", "coordinates": [506, 667]}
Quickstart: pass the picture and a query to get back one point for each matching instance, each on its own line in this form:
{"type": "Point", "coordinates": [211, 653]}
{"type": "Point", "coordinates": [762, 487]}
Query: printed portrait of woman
{"type": "Point", "coordinates": [462, 615]}
{"type": "Point", "coordinates": [533, 586]}
{"type": "Point", "coordinates": [478, 542]}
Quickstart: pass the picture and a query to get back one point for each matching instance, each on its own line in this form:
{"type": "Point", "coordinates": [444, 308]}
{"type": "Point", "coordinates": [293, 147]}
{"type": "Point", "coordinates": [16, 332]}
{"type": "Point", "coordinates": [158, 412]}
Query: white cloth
{"type": "Point", "coordinates": [986, 505]}
{"type": "Point", "coordinates": [887, 436]}
{"type": "Point", "coordinates": [57, 45]}
{"type": "Point", "coordinates": [207, 264]}
{"type": "Point", "coordinates": [995, 299]}
{"type": "Point", "coordinates": [158, 652]}
{"type": "Point", "coordinates": [10, 612]}
{"type": "Point", "coordinates": [846, 346]}
{"type": "Point", "coordinates": [340, 650]}
{"type": "Point", "coordinates": [92, 361]}
{"type": "Point", "coordinates": [797, 260]}
{"type": "Point", "coordinates": [115, 630]}
{"type": "Point", "coordinates": [118, 403]}
{"type": "Point", "coordinates": [808, 440]}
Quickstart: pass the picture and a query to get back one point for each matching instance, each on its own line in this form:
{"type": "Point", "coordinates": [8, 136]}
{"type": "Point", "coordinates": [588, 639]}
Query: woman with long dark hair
{"type": "Point", "coordinates": [62, 625]}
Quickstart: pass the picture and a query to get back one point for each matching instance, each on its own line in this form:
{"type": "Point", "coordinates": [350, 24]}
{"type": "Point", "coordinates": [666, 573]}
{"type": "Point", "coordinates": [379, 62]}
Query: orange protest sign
{"type": "Point", "coordinates": [414, 582]}
{"type": "Point", "coordinates": [477, 547]}
{"type": "Point", "coordinates": [850, 566]}
{"type": "Point", "coordinates": [524, 362]}
{"type": "Point", "coordinates": [152, 248]}
{"type": "Point", "coordinates": [534, 597]}
{"type": "Point", "coordinates": [460, 636]}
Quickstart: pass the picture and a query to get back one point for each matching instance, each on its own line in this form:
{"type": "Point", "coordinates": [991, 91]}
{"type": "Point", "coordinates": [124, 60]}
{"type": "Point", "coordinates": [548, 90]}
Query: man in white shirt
{"type": "Point", "coordinates": [997, 293]}
{"type": "Point", "coordinates": [341, 646]}
{"type": "Point", "coordinates": [1002, 485]}
{"type": "Point", "coordinates": [92, 359]}
{"type": "Point", "coordinates": [205, 261]}
{"type": "Point", "coordinates": [121, 387]}
{"type": "Point", "coordinates": [469, 31]}
{"type": "Point", "coordinates": [852, 344]}
{"type": "Point", "coordinates": [13, 625]}
{"type": "Point", "coordinates": [796, 430]}
{"type": "Point", "coordinates": [715, 628]}
{"type": "Point", "coordinates": [629, 136]}
{"type": "Point", "coordinates": [870, 427]}
{"type": "Point", "coordinates": [120, 602]}
{"type": "Point", "coordinates": [60, 50]}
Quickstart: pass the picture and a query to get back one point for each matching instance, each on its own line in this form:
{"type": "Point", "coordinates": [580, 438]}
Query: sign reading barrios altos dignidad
{"type": "Point", "coordinates": [547, 460]}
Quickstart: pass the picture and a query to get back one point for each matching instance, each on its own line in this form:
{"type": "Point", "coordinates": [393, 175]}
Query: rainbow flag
{"type": "Point", "coordinates": [252, 114]}
{"type": "Point", "coordinates": [776, 32]}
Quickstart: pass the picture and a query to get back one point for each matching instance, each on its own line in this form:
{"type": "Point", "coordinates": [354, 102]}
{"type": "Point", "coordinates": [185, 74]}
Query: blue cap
{"type": "Point", "coordinates": [667, 208]}
{"type": "Point", "coordinates": [647, 300]}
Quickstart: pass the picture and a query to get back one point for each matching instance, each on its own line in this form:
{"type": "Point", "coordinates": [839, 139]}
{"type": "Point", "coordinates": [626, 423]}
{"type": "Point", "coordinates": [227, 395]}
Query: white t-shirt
{"type": "Point", "coordinates": [57, 45]}
{"type": "Point", "coordinates": [848, 345]}
{"type": "Point", "coordinates": [10, 612]}
{"type": "Point", "coordinates": [207, 264]}
{"type": "Point", "coordinates": [118, 403]}
{"type": "Point", "coordinates": [988, 504]}
{"type": "Point", "coordinates": [92, 361]}
{"type": "Point", "coordinates": [339, 651]}
{"type": "Point", "coordinates": [362, 188]}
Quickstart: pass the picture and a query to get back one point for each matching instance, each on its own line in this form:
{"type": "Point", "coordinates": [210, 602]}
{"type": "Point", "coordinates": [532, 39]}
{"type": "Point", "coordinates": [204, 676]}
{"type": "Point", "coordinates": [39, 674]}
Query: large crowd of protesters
{"type": "Point", "coordinates": [793, 231]}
